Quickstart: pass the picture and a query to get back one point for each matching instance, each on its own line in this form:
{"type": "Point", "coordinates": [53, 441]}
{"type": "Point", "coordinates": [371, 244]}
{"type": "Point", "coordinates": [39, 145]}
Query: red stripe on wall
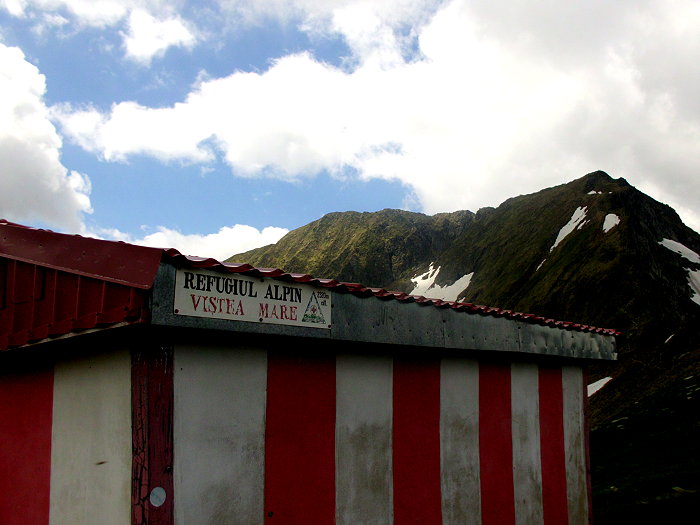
{"type": "Point", "coordinates": [26, 405]}
{"type": "Point", "coordinates": [495, 445]}
{"type": "Point", "coordinates": [416, 442]}
{"type": "Point", "coordinates": [300, 440]}
{"type": "Point", "coordinates": [552, 447]}
{"type": "Point", "coordinates": [152, 434]}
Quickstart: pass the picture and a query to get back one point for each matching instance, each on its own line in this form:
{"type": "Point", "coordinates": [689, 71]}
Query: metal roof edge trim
{"type": "Point", "coordinates": [10, 349]}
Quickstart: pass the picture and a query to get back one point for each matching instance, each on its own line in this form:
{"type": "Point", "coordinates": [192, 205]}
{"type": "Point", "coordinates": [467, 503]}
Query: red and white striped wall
{"type": "Point", "coordinates": [246, 435]}
{"type": "Point", "coordinates": [66, 435]}
{"type": "Point", "coordinates": [370, 439]}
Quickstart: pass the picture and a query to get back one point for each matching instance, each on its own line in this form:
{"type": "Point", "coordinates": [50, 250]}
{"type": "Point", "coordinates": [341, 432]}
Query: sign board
{"type": "Point", "coordinates": [202, 293]}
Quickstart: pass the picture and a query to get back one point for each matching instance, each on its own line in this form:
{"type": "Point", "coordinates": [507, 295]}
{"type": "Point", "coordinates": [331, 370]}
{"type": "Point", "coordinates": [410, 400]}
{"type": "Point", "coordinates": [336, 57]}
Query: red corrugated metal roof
{"type": "Point", "coordinates": [53, 284]}
{"type": "Point", "coordinates": [37, 302]}
{"type": "Point", "coordinates": [112, 261]}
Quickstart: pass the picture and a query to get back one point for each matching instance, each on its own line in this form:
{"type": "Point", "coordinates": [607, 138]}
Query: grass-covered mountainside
{"type": "Point", "coordinates": [589, 251]}
{"type": "Point", "coordinates": [372, 248]}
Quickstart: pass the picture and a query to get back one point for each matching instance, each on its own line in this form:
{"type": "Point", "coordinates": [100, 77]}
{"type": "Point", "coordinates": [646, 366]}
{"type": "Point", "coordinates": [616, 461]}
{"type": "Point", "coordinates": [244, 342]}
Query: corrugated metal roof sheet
{"type": "Point", "coordinates": [112, 261]}
{"type": "Point", "coordinates": [37, 302]}
{"type": "Point", "coordinates": [53, 284]}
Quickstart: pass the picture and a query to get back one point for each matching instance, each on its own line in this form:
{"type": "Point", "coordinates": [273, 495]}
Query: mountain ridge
{"type": "Point", "coordinates": [516, 265]}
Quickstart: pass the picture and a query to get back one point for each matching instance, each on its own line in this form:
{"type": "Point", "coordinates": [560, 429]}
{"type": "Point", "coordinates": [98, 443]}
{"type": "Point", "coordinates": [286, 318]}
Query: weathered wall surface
{"type": "Point", "coordinates": [459, 441]}
{"type": "Point", "coordinates": [219, 431]}
{"type": "Point", "coordinates": [363, 435]}
{"type": "Point", "coordinates": [574, 444]}
{"type": "Point", "coordinates": [297, 437]}
{"type": "Point", "coordinates": [310, 435]}
{"type": "Point", "coordinates": [91, 440]}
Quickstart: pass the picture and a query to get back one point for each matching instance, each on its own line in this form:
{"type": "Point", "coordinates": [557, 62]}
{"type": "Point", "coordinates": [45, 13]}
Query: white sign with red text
{"type": "Point", "coordinates": [202, 293]}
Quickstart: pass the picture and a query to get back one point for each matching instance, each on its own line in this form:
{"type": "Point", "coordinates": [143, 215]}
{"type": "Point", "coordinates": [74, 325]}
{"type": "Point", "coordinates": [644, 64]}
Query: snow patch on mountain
{"type": "Point", "coordinates": [681, 250]}
{"type": "Point", "coordinates": [424, 284]}
{"type": "Point", "coordinates": [424, 281]}
{"type": "Point", "coordinates": [576, 222]}
{"type": "Point", "coordinates": [690, 255]}
{"type": "Point", "coordinates": [597, 385]}
{"type": "Point", "coordinates": [694, 283]}
{"type": "Point", "coordinates": [611, 220]}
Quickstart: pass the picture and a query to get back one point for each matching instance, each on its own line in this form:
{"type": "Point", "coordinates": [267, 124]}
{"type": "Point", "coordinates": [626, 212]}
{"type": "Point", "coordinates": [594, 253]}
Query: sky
{"type": "Point", "coordinates": [217, 126]}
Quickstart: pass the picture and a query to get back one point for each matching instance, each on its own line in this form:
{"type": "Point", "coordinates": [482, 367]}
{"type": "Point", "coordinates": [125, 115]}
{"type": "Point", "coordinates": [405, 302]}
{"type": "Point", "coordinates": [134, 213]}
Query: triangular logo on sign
{"type": "Point", "coordinates": [313, 312]}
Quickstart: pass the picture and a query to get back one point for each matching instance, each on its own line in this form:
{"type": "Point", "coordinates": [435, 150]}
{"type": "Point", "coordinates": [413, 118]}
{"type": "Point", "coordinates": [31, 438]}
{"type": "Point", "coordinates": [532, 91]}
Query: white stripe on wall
{"type": "Point", "coordinates": [459, 442]}
{"type": "Point", "coordinates": [91, 441]}
{"type": "Point", "coordinates": [574, 445]}
{"type": "Point", "coordinates": [527, 465]}
{"type": "Point", "coordinates": [364, 440]}
{"type": "Point", "coordinates": [219, 435]}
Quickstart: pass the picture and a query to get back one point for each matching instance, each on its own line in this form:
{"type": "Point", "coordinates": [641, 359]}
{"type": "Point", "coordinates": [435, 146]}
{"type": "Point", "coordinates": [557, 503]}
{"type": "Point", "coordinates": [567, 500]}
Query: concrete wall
{"type": "Point", "coordinates": [574, 444]}
{"type": "Point", "coordinates": [363, 440]}
{"type": "Point", "coordinates": [219, 431]}
{"type": "Point", "coordinates": [459, 442]}
{"type": "Point", "coordinates": [91, 440]}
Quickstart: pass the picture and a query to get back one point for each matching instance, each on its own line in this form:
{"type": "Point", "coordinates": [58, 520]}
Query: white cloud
{"type": "Point", "coordinates": [221, 245]}
{"type": "Point", "coordinates": [373, 42]}
{"type": "Point", "coordinates": [149, 37]}
{"type": "Point", "coordinates": [153, 26]}
{"type": "Point", "coordinates": [493, 101]}
{"type": "Point", "coordinates": [94, 13]}
{"type": "Point", "coordinates": [34, 184]}
{"type": "Point", "coordinates": [315, 15]}
{"type": "Point", "coordinates": [14, 7]}
{"type": "Point", "coordinates": [165, 133]}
